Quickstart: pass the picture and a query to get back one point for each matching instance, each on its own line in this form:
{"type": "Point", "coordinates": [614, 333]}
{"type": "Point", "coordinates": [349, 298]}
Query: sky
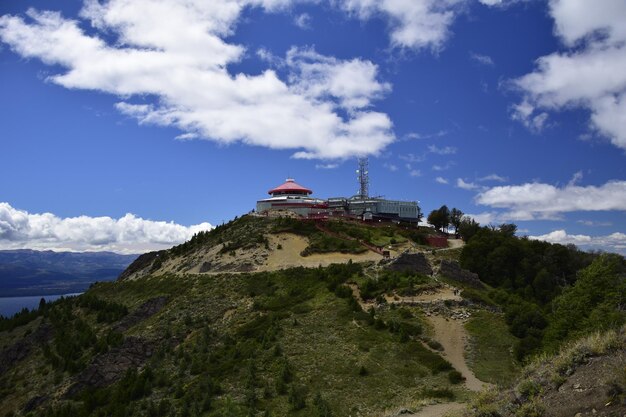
{"type": "Point", "coordinates": [129, 125]}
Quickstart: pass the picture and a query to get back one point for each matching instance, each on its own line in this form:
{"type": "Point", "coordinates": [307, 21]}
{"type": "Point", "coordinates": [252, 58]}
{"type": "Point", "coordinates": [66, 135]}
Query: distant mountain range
{"type": "Point", "coordinates": [29, 272]}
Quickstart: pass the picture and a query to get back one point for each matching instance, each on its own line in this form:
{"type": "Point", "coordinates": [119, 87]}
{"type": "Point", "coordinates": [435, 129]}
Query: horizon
{"type": "Point", "coordinates": [120, 138]}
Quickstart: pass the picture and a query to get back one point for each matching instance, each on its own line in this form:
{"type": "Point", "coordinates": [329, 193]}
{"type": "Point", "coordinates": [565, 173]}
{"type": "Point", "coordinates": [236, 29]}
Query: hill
{"type": "Point", "coordinates": [586, 378]}
{"type": "Point", "coordinates": [253, 319]}
{"type": "Point", "coordinates": [30, 272]}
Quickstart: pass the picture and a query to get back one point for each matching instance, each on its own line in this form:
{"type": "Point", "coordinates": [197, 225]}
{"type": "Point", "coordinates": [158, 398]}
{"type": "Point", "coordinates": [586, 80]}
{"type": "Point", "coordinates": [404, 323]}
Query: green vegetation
{"type": "Point", "coordinates": [404, 283]}
{"type": "Point", "coordinates": [296, 342]}
{"type": "Point", "coordinates": [299, 344]}
{"type": "Point", "coordinates": [490, 358]}
{"type": "Point", "coordinates": [322, 243]}
{"type": "Point", "coordinates": [548, 292]}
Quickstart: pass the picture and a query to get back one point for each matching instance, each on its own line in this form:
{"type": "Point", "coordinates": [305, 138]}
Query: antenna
{"type": "Point", "coordinates": [363, 177]}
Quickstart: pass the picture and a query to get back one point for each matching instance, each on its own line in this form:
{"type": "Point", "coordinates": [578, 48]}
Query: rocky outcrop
{"type": "Point", "coordinates": [109, 367]}
{"type": "Point", "coordinates": [22, 348]}
{"type": "Point", "coordinates": [141, 264]}
{"type": "Point", "coordinates": [453, 271]}
{"type": "Point", "coordinates": [143, 312]}
{"type": "Point", "coordinates": [412, 262]}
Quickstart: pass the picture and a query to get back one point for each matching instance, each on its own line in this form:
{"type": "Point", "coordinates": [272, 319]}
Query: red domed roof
{"type": "Point", "coordinates": [290, 186]}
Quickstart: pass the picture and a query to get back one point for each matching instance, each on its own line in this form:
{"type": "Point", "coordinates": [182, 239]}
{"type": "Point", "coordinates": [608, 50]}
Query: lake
{"type": "Point", "coordinates": [11, 305]}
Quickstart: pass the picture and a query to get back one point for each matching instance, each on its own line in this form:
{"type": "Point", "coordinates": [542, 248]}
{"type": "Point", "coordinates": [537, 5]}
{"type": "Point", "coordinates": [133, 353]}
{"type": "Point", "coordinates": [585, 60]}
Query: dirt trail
{"type": "Point", "coordinates": [452, 336]}
{"type": "Point", "coordinates": [438, 410]}
{"type": "Point", "coordinates": [449, 332]}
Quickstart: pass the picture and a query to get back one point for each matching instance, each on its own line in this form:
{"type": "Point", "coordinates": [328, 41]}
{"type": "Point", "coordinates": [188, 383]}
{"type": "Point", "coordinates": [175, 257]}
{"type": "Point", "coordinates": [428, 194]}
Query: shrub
{"type": "Point", "coordinates": [455, 377]}
{"type": "Point", "coordinates": [297, 397]}
{"type": "Point", "coordinates": [438, 393]}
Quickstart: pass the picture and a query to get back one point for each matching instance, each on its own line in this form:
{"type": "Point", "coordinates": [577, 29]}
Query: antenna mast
{"type": "Point", "coordinates": [363, 177]}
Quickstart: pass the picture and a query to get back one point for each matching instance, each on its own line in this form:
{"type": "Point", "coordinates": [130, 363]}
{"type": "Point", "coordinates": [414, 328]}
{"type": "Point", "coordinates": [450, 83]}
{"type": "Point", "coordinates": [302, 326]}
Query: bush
{"type": "Point", "coordinates": [438, 393]}
{"type": "Point", "coordinates": [297, 397]}
{"type": "Point", "coordinates": [433, 344]}
{"type": "Point", "coordinates": [455, 377]}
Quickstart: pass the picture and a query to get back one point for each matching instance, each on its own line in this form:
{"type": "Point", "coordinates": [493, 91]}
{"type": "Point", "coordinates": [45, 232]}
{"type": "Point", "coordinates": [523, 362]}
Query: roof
{"type": "Point", "coordinates": [290, 186]}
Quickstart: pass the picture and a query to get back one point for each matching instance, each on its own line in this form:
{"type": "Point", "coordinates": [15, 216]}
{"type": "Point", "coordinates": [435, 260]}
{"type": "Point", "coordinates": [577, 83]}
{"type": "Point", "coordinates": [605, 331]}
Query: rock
{"type": "Point", "coordinates": [22, 348]}
{"type": "Point", "coordinates": [34, 403]}
{"type": "Point", "coordinates": [412, 262]}
{"type": "Point", "coordinates": [144, 311]}
{"type": "Point", "coordinates": [109, 367]}
{"type": "Point", "coordinates": [453, 271]}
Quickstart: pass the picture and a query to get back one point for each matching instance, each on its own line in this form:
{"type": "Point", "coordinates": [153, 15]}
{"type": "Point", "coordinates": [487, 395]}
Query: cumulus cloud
{"type": "Point", "coordinates": [589, 74]}
{"type": "Point", "coordinates": [413, 24]}
{"type": "Point", "coordinates": [303, 21]}
{"type": "Point", "coordinates": [416, 135]}
{"type": "Point", "coordinates": [177, 52]}
{"type": "Point", "coordinates": [446, 150]}
{"type": "Point", "coordinates": [326, 166]}
{"type": "Point", "coordinates": [353, 83]}
{"type": "Point", "coordinates": [391, 167]}
{"type": "Point", "coordinates": [615, 242]}
{"type": "Point", "coordinates": [460, 183]}
{"type": "Point", "coordinates": [482, 59]}
{"type": "Point", "coordinates": [445, 167]}
{"type": "Point", "coordinates": [545, 201]}
{"type": "Point", "coordinates": [128, 234]}
{"type": "Point", "coordinates": [492, 177]}
{"type": "Point", "coordinates": [441, 180]}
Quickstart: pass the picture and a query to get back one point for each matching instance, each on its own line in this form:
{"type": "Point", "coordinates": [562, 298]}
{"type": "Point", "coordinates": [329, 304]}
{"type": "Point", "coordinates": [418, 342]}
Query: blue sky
{"type": "Point", "coordinates": [129, 125]}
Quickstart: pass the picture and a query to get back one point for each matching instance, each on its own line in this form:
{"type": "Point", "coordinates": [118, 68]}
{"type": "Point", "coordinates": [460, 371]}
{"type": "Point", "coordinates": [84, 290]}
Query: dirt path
{"type": "Point", "coordinates": [449, 332]}
{"type": "Point", "coordinates": [455, 243]}
{"type": "Point", "coordinates": [438, 410]}
{"type": "Point", "coordinates": [453, 337]}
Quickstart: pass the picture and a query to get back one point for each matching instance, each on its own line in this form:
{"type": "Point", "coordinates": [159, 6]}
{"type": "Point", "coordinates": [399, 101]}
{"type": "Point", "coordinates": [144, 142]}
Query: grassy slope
{"type": "Point", "coordinates": [491, 357]}
{"type": "Point", "coordinates": [230, 324]}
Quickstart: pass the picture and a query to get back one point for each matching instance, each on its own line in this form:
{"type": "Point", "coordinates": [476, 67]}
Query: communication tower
{"type": "Point", "coordinates": [363, 177]}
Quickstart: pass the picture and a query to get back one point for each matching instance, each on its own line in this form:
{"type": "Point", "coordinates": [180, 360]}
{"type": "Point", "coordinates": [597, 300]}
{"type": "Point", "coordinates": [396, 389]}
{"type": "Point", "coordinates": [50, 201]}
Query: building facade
{"type": "Point", "coordinates": [293, 197]}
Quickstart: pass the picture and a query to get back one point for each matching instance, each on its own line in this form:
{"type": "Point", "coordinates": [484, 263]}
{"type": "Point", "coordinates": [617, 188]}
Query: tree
{"type": "Point", "coordinates": [440, 218]}
{"type": "Point", "coordinates": [456, 217]}
{"type": "Point", "coordinates": [468, 227]}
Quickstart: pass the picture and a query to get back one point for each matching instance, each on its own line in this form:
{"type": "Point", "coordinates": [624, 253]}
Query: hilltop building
{"type": "Point", "coordinates": [291, 196]}
{"type": "Point", "coordinates": [295, 198]}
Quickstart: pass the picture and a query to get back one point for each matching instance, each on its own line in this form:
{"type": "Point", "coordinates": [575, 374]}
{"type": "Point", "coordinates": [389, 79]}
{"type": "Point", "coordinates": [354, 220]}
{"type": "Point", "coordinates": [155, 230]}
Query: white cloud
{"type": "Point", "coordinates": [486, 218]}
{"type": "Point", "coordinates": [492, 177]}
{"type": "Point", "coordinates": [416, 135]}
{"type": "Point", "coordinates": [303, 21]}
{"type": "Point", "coordinates": [589, 75]}
{"type": "Point", "coordinates": [445, 167]}
{"type": "Point", "coordinates": [412, 158]}
{"type": "Point", "coordinates": [615, 242]}
{"type": "Point", "coordinates": [460, 183]}
{"type": "Point", "coordinates": [446, 150]}
{"type": "Point", "coordinates": [441, 180]}
{"type": "Point", "coordinates": [128, 234]}
{"type": "Point", "coordinates": [176, 52]}
{"type": "Point", "coordinates": [391, 167]}
{"type": "Point", "coordinates": [413, 24]}
{"type": "Point", "coordinates": [415, 173]}
{"type": "Point", "coordinates": [482, 59]}
{"type": "Point", "coordinates": [352, 82]}
{"type": "Point", "coordinates": [538, 200]}
{"type": "Point", "coordinates": [594, 223]}
{"type": "Point", "coordinates": [326, 166]}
